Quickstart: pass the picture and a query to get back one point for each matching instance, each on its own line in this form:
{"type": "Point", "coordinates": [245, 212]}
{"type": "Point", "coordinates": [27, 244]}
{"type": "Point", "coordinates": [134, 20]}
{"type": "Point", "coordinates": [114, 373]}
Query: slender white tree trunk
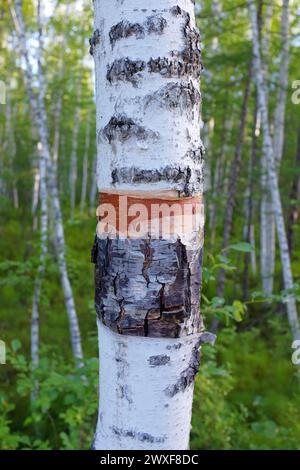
{"type": "Point", "coordinates": [268, 218]}
{"type": "Point", "coordinates": [10, 146]}
{"type": "Point", "coordinates": [279, 117]}
{"type": "Point", "coordinates": [73, 164]}
{"type": "Point", "coordinates": [93, 190]}
{"type": "Point", "coordinates": [35, 198]}
{"type": "Point", "coordinates": [218, 181]}
{"type": "Point", "coordinates": [272, 175]}
{"type": "Point", "coordinates": [42, 262]}
{"type": "Point", "coordinates": [147, 63]}
{"type": "Point", "coordinates": [85, 166]}
{"type": "Point", "coordinates": [37, 104]}
{"type": "Point", "coordinates": [267, 221]}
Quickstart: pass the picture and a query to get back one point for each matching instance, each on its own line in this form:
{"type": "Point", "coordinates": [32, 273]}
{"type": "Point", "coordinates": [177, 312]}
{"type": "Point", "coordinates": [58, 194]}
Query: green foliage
{"type": "Point", "coordinates": [246, 394]}
{"type": "Point", "coordinates": [63, 412]}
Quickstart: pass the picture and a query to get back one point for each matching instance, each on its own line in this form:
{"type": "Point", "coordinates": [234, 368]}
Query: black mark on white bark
{"type": "Point", "coordinates": [183, 96]}
{"type": "Point", "coordinates": [125, 70]}
{"type": "Point", "coordinates": [190, 182]}
{"type": "Point", "coordinates": [196, 155]}
{"type": "Point", "coordinates": [187, 377]}
{"type": "Point", "coordinates": [153, 24]}
{"type": "Point", "coordinates": [94, 40]}
{"type": "Point", "coordinates": [161, 360]}
{"type": "Point", "coordinates": [122, 128]}
{"type": "Point", "coordinates": [139, 436]}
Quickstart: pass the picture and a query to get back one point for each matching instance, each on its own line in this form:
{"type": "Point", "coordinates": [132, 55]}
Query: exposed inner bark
{"type": "Point", "coordinates": [147, 287]}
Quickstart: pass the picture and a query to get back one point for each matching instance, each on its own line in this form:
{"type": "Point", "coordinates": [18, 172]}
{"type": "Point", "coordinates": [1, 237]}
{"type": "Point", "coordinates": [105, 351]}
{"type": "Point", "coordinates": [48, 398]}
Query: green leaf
{"type": "Point", "coordinates": [16, 345]}
{"type": "Point", "coordinates": [242, 246]}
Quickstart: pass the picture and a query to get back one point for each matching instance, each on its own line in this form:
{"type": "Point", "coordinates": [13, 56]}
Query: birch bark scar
{"type": "Point", "coordinates": [148, 287]}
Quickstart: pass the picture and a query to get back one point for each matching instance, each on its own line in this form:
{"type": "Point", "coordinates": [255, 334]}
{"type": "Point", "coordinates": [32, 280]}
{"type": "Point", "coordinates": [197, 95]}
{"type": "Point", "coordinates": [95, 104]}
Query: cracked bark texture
{"type": "Point", "coordinates": [148, 63]}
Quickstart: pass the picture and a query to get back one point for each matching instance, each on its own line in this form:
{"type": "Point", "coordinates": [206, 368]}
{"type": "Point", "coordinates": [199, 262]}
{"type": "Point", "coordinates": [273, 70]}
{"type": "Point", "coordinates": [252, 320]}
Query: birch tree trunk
{"type": "Point", "coordinates": [10, 146]}
{"type": "Point", "coordinates": [218, 181]}
{"type": "Point", "coordinates": [93, 190]}
{"type": "Point", "coordinates": [73, 166]}
{"type": "Point", "coordinates": [234, 175]}
{"type": "Point", "coordinates": [272, 175]}
{"type": "Point", "coordinates": [37, 103]}
{"type": "Point", "coordinates": [268, 240]}
{"type": "Point", "coordinates": [35, 198]}
{"type": "Point", "coordinates": [35, 327]}
{"type": "Point", "coordinates": [85, 165]}
{"type": "Point", "coordinates": [278, 138]}
{"type": "Point", "coordinates": [249, 235]}
{"type": "Point", "coordinates": [148, 63]}
{"type": "Point", "coordinates": [293, 214]}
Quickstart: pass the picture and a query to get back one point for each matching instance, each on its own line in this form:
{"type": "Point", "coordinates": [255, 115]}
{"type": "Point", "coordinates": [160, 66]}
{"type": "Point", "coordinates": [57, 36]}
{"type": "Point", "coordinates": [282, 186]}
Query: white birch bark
{"type": "Point", "coordinates": [272, 175]}
{"type": "Point", "coordinates": [93, 190]}
{"type": "Point", "coordinates": [147, 63]}
{"type": "Point", "coordinates": [59, 102]}
{"type": "Point", "coordinates": [37, 104]}
{"type": "Point", "coordinates": [85, 165]}
{"type": "Point", "coordinates": [11, 150]}
{"type": "Point", "coordinates": [218, 181]}
{"type": "Point", "coordinates": [137, 409]}
{"type": "Point", "coordinates": [35, 198]}
{"type": "Point", "coordinates": [73, 164]}
{"type": "Point", "coordinates": [42, 261]}
{"type": "Point", "coordinates": [278, 140]}
{"type": "Point", "coordinates": [267, 221]}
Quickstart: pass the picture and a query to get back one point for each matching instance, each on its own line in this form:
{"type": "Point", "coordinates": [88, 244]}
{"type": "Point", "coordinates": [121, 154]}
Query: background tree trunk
{"type": "Point", "coordinates": [293, 214]}
{"type": "Point", "coordinates": [273, 177]}
{"type": "Point", "coordinates": [85, 166]}
{"type": "Point", "coordinates": [39, 113]}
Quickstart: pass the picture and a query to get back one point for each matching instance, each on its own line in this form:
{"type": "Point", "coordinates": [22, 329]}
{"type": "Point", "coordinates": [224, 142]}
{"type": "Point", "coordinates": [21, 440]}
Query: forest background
{"type": "Point", "coordinates": [247, 390]}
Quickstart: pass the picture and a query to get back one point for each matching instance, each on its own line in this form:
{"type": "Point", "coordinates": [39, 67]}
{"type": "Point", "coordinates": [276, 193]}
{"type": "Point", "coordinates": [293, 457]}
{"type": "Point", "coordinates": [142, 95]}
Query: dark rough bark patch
{"type": "Point", "coordinates": [185, 62]}
{"type": "Point", "coordinates": [138, 436]}
{"type": "Point", "coordinates": [196, 155]}
{"type": "Point", "coordinates": [187, 377]}
{"type": "Point", "coordinates": [183, 96]}
{"type": "Point", "coordinates": [122, 128]}
{"type": "Point", "coordinates": [161, 360]}
{"type": "Point", "coordinates": [189, 181]}
{"type": "Point", "coordinates": [153, 24]}
{"type": "Point", "coordinates": [94, 40]}
{"type": "Point", "coordinates": [125, 29]}
{"type": "Point", "coordinates": [167, 307]}
{"type": "Point", "coordinates": [125, 70]}
{"type": "Point", "coordinates": [174, 346]}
